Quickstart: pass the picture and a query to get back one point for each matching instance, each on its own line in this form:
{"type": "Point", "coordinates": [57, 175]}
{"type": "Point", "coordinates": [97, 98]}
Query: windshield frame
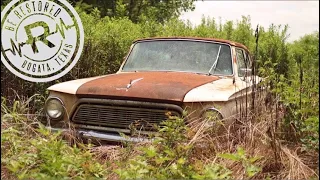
{"type": "Point", "coordinates": [195, 40]}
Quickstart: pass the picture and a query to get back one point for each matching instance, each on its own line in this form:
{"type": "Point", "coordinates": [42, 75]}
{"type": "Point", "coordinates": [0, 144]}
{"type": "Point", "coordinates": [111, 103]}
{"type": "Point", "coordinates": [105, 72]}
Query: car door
{"type": "Point", "coordinates": [243, 80]}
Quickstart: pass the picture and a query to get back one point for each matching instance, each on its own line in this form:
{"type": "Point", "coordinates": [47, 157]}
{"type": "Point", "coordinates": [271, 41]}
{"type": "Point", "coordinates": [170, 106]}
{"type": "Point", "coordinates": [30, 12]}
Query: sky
{"type": "Point", "coordinates": [302, 17]}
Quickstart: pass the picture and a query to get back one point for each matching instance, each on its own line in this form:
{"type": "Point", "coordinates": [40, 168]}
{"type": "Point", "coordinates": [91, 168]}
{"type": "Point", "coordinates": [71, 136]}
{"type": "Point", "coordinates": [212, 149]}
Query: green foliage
{"type": "Point", "coordinates": [291, 73]}
{"type": "Point", "coordinates": [273, 47]}
{"type": "Point", "coordinates": [18, 108]}
{"type": "Point", "coordinates": [136, 11]}
{"type": "Point", "coordinates": [301, 93]}
{"type": "Point", "coordinates": [310, 128]}
{"type": "Point", "coordinates": [247, 162]}
{"type": "Point", "coordinates": [169, 157]}
{"type": "Point", "coordinates": [46, 157]}
{"type": "Point", "coordinates": [30, 153]}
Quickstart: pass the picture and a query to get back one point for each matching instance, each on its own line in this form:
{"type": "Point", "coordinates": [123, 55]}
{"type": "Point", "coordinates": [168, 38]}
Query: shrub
{"type": "Point", "coordinates": [169, 156]}
{"type": "Point", "coordinates": [37, 153]}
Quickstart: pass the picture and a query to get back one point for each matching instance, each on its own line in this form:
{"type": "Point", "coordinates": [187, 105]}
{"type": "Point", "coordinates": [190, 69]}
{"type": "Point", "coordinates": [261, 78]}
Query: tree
{"type": "Point", "coordinates": [135, 10]}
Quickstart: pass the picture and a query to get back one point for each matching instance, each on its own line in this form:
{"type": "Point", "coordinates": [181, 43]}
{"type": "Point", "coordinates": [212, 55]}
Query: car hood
{"type": "Point", "coordinates": [166, 86]}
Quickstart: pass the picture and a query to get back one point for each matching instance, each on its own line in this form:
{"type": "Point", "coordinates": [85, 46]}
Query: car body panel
{"type": "Point", "coordinates": [193, 92]}
{"type": "Point", "coordinates": [223, 89]}
{"type": "Point", "coordinates": [219, 90]}
{"type": "Point", "coordinates": [167, 86]}
{"type": "Point", "coordinates": [71, 87]}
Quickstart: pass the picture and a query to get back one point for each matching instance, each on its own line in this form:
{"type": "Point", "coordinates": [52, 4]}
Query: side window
{"type": "Point", "coordinates": [241, 61]}
{"type": "Point", "coordinates": [224, 64]}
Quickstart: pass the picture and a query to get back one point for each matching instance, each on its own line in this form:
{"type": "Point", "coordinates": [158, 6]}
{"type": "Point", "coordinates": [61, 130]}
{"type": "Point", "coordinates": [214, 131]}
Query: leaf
{"type": "Point", "coordinates": [254, 159]}
{"type": "Point", "coordinates": [252, 170]}
{"type": "Point", "coordinates": [143, 171]}
{"type": "Point", "coordinates": [161, 160]}
{"type": "Point", "coordinates": [229, 156]}
{"type": "Point", "coordinates": [181, 161]}
{"type": "Point", "coordinates": [151, 151]}
{"type": "Point", "coordinates": [240, 152]}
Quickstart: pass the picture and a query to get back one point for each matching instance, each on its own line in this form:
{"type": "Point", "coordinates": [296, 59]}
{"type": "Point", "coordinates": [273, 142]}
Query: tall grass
{"type": "Point", "coordinates": [249, 148]}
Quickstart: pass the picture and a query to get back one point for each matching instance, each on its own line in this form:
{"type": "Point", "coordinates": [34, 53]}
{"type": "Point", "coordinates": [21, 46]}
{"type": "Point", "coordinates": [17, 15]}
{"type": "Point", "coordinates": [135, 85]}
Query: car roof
{"type": "Point", "coordinates": [232, 43]}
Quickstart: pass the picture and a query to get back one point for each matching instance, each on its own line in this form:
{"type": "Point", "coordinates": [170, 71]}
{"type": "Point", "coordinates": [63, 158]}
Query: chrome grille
{"type": "Point", "coordinates": [120, 117]}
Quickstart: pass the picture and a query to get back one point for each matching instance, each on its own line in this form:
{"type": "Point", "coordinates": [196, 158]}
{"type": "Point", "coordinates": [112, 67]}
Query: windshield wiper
{"type": "Point", "coordinates": [215, 62]}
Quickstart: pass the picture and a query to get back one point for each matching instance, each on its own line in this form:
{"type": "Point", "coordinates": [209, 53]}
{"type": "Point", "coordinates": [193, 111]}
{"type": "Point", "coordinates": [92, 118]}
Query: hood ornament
{"type": "Point", "coordinates": [130, 84]}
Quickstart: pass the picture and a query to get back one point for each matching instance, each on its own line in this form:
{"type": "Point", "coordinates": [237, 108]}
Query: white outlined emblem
{"type": "Point", "coordinates": [41, 40]}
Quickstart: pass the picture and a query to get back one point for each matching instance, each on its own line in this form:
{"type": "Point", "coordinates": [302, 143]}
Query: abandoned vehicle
{"type": "Point", "coordinates": [158, 75]}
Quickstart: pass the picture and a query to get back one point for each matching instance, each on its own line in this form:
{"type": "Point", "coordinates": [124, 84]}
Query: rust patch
{"type": "Point", "coordinates": [171, 86]}
{"type": "Point", "coordinates": [94, 90]}
{"type": "Point", "coordinates": [232, 43]}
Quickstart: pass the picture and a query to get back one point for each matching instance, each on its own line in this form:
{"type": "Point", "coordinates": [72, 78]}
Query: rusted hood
{"type": "Point", "coordinates": [167, 86]}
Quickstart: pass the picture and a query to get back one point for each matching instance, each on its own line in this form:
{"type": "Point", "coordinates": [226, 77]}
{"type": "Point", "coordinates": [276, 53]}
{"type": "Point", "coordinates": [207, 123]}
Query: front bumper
{"type": "Point", "coordinates": [105, 136]}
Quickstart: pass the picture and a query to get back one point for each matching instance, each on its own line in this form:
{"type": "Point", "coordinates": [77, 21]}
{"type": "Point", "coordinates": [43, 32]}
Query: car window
{"type": "Point", "coordinates": [180, 55]}
{"type": "Point", "coordinates": [240, 61]}
{"type": "Point", "coordinates": [224, 64]}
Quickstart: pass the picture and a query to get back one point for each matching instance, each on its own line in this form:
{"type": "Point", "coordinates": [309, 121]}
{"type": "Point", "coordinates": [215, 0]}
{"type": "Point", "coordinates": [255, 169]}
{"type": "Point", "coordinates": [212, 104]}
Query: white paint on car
{"type": "Point", "coordinates": [71, 87]}
{"type": "Point", "coordinates": [219, 90]}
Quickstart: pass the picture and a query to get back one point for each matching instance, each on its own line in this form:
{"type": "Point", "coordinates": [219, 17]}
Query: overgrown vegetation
{"type": "Point", "coordinates": [281, 142]}
{"type": "Point", "coordinates": [245, 150]}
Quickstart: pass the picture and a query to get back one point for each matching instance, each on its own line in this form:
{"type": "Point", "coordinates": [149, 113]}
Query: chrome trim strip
{"type": "Point", "coordinates": [104, 136]}
{"type": "Point", "coordinates": [109, 129]}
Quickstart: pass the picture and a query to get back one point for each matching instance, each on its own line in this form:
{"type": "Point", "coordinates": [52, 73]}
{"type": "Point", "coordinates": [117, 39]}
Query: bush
{"type": "Point", "coordinates": [169, 156]}
{"type": "Point", "coordinates": [178, 151]}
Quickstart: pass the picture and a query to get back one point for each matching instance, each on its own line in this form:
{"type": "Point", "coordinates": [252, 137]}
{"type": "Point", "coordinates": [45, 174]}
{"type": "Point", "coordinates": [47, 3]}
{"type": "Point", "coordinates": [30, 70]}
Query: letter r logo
{"type": "Point", "coordinates": [43, 37]}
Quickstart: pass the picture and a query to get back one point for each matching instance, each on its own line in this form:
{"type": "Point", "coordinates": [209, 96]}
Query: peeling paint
{"type": "Point", "coordinates": [220, 90]}
{"type": "Point", "coordinates": [71, 87]}
{"type": "Point", "coordinates": [167, 86]}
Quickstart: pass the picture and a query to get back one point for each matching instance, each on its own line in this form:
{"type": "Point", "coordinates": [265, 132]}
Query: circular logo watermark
{"type": "Point", "coordinates": [41, 40]}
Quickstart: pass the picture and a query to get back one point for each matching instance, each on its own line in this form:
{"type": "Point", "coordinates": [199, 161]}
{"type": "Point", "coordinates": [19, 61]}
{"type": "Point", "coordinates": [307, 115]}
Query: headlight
{"type": "Point", "coordinates": [54, 108]}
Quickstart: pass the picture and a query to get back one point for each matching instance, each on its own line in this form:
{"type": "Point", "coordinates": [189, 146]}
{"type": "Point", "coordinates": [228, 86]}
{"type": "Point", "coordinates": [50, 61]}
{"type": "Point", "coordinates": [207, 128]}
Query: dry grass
{"type": "Point", "coordinates": [258, 134]}
{"type": "Point", "coordinates": [259, 138]}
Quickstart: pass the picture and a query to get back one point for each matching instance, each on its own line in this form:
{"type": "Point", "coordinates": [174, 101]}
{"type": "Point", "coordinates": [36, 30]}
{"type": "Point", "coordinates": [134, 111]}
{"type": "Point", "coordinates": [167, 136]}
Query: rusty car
{"type": "Point", "coordinates": [158, 75]}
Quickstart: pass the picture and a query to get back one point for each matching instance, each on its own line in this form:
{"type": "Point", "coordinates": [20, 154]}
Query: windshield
{"type": "Point", "coordinates": [175, 55]}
